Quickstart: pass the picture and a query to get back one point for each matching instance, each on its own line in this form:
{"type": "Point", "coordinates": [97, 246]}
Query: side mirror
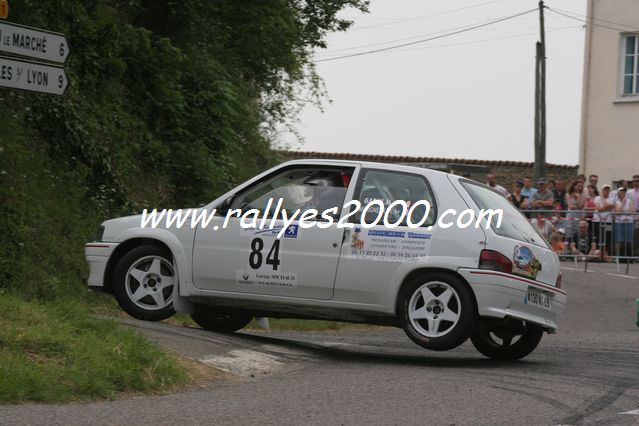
{"type": "Point", "coordinates": [225, 206]}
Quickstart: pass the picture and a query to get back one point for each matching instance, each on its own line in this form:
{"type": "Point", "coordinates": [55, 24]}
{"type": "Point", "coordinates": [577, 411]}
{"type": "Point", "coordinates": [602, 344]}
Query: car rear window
{"type": "Point", "coordinates": [514, 224]}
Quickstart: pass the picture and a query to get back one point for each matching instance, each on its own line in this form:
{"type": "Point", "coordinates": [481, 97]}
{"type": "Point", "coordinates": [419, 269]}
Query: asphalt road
{"type": "Point", "coordinates": [588, 373]}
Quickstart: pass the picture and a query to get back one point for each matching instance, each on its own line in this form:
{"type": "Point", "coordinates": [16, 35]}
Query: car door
{"type": "Point", "coordinates": [303, 262]}
{"type": "Point", "coordinates": [370, 256]}
{"type": "Point", "coordinates": [373, 258]}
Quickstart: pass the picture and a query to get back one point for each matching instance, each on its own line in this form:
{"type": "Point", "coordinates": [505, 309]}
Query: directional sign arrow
{"type": "Point", "coordinates": [32, 77]}
{"type": "Point", "coordinates": [33, 43]}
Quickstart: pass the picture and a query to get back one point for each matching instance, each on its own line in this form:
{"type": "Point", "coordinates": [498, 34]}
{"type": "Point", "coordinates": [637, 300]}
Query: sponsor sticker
{"type": "Point", "coordinates": [356, 242]}
{"type": "Point", "coordinates": [246, 277]}
{"type": "Point", "coordinates": [419, 235]}
{"type": "Point", "coordinates": [291, 232]}
{"type": "Point", "coordinates": [525, 263]}
{"type": "Point", "coordinates": [389, 234]}
{"type": "Point", "coordinates": [390, 246]}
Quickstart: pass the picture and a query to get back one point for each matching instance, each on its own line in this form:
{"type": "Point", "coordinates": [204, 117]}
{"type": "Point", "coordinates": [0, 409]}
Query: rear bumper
{"type": "Point", "coordinates": [97, 256]}
{"type": "Point", "coordinates": [502, 295]}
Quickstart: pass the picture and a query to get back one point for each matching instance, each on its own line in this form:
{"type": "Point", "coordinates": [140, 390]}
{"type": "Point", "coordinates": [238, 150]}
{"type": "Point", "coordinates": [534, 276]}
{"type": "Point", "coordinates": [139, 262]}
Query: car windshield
{"type": "Point", "coordinates": [514, 224]}
{"type": "Point", "coordinates": [300, 188]}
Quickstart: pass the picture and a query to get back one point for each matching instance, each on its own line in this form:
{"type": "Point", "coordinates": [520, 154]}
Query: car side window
{"type": "Point", "coordinates": [301, 188]}
{"type": "Point", "coordinates": [388, 187]}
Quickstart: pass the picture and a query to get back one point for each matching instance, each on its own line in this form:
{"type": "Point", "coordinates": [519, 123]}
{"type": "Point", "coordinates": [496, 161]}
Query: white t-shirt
{"type": "Point", "coordinates": [625, 206]}
{"type": "Point", "coordinates": [633, 194]}
{"type": "Point", "coordinates": [500, 189]}
{"type": "Point", "coordinates": [545, 230]}
{"type": "Point", "coordinates": [613, 196]}
{"type": "Point", "coordinates": [600, 202]}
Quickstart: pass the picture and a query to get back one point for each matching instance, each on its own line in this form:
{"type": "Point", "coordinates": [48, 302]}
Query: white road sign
{"type": "Point", "coordinates": [33, 43]}
{"type": "Point", "coordinates": [33, 77]}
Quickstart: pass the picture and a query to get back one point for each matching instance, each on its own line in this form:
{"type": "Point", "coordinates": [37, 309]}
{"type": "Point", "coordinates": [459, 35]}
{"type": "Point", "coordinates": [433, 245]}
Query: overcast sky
{"type": "Point", "coordinates": [466, 96]}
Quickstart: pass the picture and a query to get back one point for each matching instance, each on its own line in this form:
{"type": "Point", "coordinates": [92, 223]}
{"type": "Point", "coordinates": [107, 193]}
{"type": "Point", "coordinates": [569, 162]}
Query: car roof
{"type": "Point", "coordinates": [370, 164]}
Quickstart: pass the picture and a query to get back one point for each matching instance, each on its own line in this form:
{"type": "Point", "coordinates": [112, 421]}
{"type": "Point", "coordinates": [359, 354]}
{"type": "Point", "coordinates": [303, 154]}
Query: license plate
{"type": "Point", "coordinates": [539, 299]}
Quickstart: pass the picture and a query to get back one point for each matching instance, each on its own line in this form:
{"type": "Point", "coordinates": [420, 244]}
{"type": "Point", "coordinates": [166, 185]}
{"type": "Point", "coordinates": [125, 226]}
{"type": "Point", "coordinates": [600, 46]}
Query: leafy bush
{"type": "Point", "coordinates": [170, 104]}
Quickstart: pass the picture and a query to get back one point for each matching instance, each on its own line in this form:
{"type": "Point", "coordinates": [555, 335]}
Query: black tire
{"type": "Point", "coordinates": [455, 333]}
{"type": "Point", "coordinates": [144, 309]}
{"type": "Point", "coordinates": [528, 336]}
{"type": "Point", "coordinates": [224, 321]}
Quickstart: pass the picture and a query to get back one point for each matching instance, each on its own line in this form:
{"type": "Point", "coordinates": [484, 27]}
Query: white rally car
{"type": "Point", "coordinates": [498, 285]}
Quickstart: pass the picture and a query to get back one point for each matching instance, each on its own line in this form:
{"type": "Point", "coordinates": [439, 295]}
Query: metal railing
{"type": "Point", "coordinates": [590, 236]}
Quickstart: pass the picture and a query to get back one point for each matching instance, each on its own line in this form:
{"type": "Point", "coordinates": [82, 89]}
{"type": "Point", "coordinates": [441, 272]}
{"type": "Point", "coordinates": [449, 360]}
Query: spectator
{"type": "Point", "coordinates": [589, 206]}
{"type": "Point", "coordinates": [491, 180]}
{"type": "Point", "coordinates": [633, 194]}
{"type": "Point", "coordinates": [589, 202]}
{"type": "Point", "coordinates": [559, 192]}
{"type": "Point", "coordinates": [621, 184]}
{"type": "Point", "coordinates": [528, 189]}
{"type": "Point", "coordinates": [542, 225]}
{"type": "Point", "coordinates": [602, 220]}
{"type": "Point", "coordinates": [581, 178]}
{"type": "Point", "coordinates": [592, 180]}
{"type": "Point", "coordinates": [558, 241]}
{"type": "Point", "coordinates": [550, 185]}
{"type": "Point", "coordinates": [518, 199]}
{"type": "Point", "coordinates": [575, 201]}
{"type": "Point", "coordinates": [558, 218]}
{"type": "Point", "coordinates": [623, 226]}
{"type": "Point", "coordinates": [586, 242]}
{"type": "Point", "coordinates": [543, 198]}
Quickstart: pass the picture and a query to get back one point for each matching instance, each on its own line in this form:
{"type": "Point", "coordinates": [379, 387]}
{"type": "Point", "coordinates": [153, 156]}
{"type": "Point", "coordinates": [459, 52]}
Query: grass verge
{"type": "Point", "coordinates": [59, 352]}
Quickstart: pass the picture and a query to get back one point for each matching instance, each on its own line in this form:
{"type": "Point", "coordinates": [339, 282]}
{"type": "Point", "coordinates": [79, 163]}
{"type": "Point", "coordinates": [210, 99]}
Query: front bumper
{"type": "Point", "coordinates": [97, 256]}
{"type": "Point", "coordinates": [502, 295]}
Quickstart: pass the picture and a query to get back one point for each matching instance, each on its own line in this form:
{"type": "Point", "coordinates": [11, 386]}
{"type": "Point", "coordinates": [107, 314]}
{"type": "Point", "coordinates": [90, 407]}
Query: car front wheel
{"type": "Point", "coordinates": [143, 283]}
{"type": "Point", "coordinates": [437, 311]}
{"type": "Point", "coordinates": [506, 341]}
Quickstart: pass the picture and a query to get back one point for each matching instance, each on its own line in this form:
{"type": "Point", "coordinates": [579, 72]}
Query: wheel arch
{"type": "Point", "coordinates": [123, 248]}
{"type": "Point", "coordinates": [161, 238]}
{"type": "Point", "coordinates": [427, 270]}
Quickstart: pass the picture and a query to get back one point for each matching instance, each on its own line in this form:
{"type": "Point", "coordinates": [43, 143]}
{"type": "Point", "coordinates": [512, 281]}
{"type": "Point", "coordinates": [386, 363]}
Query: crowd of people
{"type": "Point", "coordinates": [578, 218]}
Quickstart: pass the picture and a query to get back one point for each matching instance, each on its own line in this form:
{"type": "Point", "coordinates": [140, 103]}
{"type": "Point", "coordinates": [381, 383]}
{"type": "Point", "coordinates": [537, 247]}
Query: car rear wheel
{"type": "Point", "coordinates": [143, 283]}
{"type": "Point", "coordinates": [506, 341]}
{"type": "Point", "coordinates": [437, 311]}
{"type": "Point", "coordinates": [221, 320]}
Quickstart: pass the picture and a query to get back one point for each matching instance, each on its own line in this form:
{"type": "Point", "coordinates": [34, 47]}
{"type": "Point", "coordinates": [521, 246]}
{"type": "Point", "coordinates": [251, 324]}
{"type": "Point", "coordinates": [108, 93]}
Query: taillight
{"type": "Point", "coordinates": [495, 261]}
{"type": "Point", "coordinates": [558, 282]}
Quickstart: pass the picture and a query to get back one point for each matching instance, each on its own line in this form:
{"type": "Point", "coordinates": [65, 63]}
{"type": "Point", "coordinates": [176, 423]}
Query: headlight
{"type": "Point", "coordinates": [99, 234]}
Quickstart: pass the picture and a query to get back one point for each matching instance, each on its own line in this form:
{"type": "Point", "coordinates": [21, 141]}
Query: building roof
{"type": "Point", "coordinates": [408, 159]}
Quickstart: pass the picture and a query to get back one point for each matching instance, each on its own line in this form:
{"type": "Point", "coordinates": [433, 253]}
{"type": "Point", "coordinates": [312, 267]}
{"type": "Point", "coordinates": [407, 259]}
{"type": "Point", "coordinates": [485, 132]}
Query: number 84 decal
{"type": "Point", "coordinates": [256, 257]}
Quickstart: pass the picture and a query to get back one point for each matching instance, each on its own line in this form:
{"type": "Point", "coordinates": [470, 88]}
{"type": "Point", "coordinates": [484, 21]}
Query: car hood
{"type": "Point", "coordinates": [113, 228]}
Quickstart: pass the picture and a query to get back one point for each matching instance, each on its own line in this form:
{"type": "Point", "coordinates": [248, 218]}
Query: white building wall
{"type": "Point", "coordinates": [610, 122]}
